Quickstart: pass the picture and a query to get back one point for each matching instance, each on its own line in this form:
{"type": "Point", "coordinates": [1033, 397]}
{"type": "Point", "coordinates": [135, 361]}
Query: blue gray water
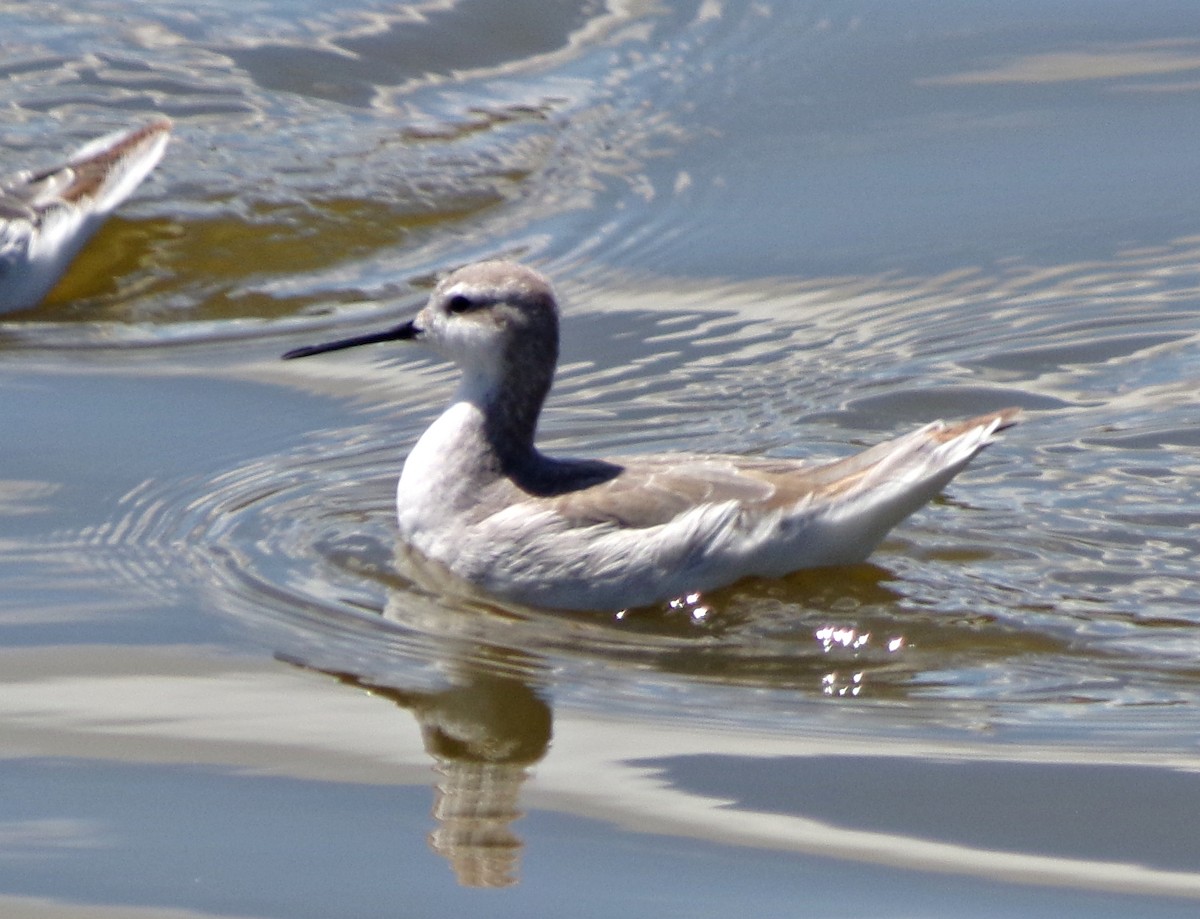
{"type": "Point", "coordinates": [791, 229]}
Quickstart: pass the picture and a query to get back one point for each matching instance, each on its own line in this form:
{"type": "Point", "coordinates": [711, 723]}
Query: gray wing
{"type": "Point", "coordinates": [652, 490]}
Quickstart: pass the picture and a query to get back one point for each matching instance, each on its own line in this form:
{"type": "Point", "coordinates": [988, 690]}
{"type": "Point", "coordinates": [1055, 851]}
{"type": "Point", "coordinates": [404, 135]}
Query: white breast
{"type": "Point", "coordinates": [436, 482]}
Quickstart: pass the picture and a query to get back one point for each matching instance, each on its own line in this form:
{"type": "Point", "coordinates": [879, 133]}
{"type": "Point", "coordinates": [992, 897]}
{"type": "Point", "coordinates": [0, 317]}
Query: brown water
{"type": "Point", "coordinates": [777, 228]}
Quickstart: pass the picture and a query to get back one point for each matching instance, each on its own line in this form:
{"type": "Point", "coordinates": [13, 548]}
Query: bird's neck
{"type": "Point", "coordinates": [504, 412]}
{"type": "Point", "coordinates": [486, 432]}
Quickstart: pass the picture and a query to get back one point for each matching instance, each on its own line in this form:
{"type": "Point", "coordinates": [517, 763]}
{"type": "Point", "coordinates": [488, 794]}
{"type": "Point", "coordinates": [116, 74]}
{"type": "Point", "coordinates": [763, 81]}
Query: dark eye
{"type": "Point", "coordinates": [460, 304]}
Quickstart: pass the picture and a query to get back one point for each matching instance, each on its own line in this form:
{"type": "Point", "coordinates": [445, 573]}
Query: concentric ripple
{"type": "Point", "coordinates": [300, 550]}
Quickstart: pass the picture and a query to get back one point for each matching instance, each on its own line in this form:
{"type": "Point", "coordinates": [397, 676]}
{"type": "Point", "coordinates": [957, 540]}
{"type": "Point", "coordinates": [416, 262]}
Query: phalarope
{"type": "Point", "coordinates": [47, 216]}
{"type": "Point", "coordinates": [477, 497]}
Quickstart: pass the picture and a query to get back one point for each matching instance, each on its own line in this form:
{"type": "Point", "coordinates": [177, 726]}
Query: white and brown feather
{"type": "Point", "coordinates": [47, 216]}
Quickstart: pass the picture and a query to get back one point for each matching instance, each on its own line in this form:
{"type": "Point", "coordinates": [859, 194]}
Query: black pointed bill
{"type": "Point", "coordinates": [404, 332]}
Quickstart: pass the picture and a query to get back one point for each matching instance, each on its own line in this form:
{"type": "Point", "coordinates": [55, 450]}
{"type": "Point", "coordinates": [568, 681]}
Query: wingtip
{"type": "Point", "coordinates": [1000, 420]}
{"type": "Point", "coordinates": [989, 423]}
{"type": "Point", "coordinates": [107, 170]}
{"type": "Point", "coordinates": [121, 143]}
{"type": "Point", "coordinates": [150, 137]}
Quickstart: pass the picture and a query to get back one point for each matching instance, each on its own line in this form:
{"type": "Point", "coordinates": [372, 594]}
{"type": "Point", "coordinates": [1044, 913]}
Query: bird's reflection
{"type": "Point", "coordinates": [483, 737]}
{"type": "Point", "coordinates": [484, 731]}
{"type": "Point", "coordinates": [486, 726]}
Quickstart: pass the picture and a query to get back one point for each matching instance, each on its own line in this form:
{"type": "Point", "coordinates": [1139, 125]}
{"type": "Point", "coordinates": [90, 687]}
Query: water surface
{"type": "Point", "coordinates": [780, 229]}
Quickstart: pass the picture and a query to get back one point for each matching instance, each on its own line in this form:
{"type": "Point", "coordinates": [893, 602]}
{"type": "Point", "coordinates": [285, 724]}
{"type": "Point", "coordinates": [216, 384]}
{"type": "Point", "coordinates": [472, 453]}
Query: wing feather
{"type": "Point", "coordinates": [650, 491]}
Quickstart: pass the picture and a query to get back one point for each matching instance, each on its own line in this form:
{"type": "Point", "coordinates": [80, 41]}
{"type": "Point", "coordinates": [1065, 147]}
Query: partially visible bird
{"type": "Point", "coordinates": [46, 217]}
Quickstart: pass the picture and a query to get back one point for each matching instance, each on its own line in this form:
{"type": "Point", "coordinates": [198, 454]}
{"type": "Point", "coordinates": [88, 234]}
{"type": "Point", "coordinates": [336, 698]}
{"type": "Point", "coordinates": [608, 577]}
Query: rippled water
{"type": "Point", "coordinates": [781, 229]}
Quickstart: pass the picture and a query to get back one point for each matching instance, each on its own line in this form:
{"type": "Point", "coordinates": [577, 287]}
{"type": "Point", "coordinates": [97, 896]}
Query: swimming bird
{"type": "Point", "coordinates": [46, 217]}
{"type": "Point", "coordinates": [477, 497]}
